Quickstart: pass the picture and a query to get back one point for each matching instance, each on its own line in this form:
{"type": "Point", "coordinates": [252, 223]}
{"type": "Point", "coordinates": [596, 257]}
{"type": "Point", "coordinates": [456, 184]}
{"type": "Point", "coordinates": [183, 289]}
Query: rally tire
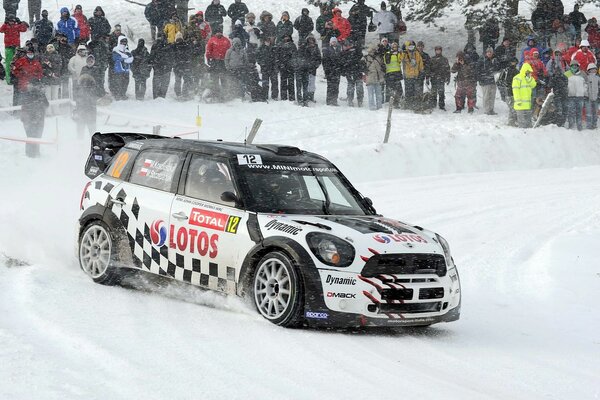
{"type": "Point", "coordinates": [97, 253]}
{"type": "Point", "coordinates": [277, 290]}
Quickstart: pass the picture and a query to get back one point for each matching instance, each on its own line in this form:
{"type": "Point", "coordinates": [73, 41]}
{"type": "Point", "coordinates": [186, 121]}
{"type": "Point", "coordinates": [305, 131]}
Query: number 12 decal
{"type": "Point", "coordinates": [245, 159]}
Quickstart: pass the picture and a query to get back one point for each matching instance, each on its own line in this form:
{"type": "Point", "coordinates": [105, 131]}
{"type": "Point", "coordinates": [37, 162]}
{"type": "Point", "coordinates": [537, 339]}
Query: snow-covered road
{"type": "Point", "coordinates": [524, 243]}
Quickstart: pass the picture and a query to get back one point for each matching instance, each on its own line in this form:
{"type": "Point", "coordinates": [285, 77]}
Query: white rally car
{"type": "Point", "coordinates": [274, 223]}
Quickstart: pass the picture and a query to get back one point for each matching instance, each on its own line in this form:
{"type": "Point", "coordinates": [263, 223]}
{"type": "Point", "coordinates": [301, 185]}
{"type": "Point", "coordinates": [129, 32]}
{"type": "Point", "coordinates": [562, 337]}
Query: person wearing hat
{"type": "Point", "coordinates": [358, 15]}
{"type": "Point", "coordinates": [530, 45]}
{"type": "Point", "coordinates": [12, 29]}
{"type": "Point", "coordinates": [559, 83]}
{"type": "Point", "coordinates": [239, 32]}
{"type": "Point", "coordinates": [584, 56]}
{"type": "Point", "coordinates": [51, 66]}
{"type": "Point", "coordinates": [304, 25]}
{"type": "Point", "coordinates": [505, 52]}
{"type": "Point", "coordinates": [172, 28]}
{"type": "Point", "coordinates": [99, 25]}
{"type": "Point", "coordinates": [393, 74]}
{"type": "Point", "coordinates": [332, 65]}
{"type": "Point", "coordinates": [34, 7]}
{"type": "Point", "coordinates": [76, 63]}
{"type": "Point", "coordinates": [341, 24]}
{"type": "Point", "coordinates": [413, 67]}
{"type": "Point", "coordinates": [593, 31]}
{"type": "Point", "coordinates": [67, 25]}
{"type": "Point", "coordinates": [284, 27]}
{"type": "Point", "coordinates": [152, 13]}
{"type": "Point", "coordinates": [577, 87]}
{"type": "Point", "coordinates": [122, 60]}
{"type": "Point", "coordinates": [591, 105]}
{"type": "Point", "coordinates": [385, 21]}
{"type": "Point", "coordinates": [237, 11]}
{"type": "Point", "coordinates": [286, 56]}
{"type": "Point", "coordinates": [577, 19]}
{"type": "Point", "coordinates": [214, 14]}
{"type": "Point", "coordinates": [374, 77]}
{"type": "Point", "coordinates": [33, 111]}
{"type": "Point", "coordinates": [440, 77]}
{"type": "Point", "coordinates": [82, 23]}
{"type": "Point", "coordinates": [141, 68]}
{"type": "Point", "coordinates": [43, 30]}
{"type": "Point", "coordinates": [486, 69]}
{"type": "Point", "coordinates": [504, 84]}
{"type": "Point", "coordinates": [182, 67]}
{"type": "Point", "coordinates": [216, 48]}
{"type": "Point", "coordinates": [425, 74]}
{"type": "Point", "coordinates": [523, 85]}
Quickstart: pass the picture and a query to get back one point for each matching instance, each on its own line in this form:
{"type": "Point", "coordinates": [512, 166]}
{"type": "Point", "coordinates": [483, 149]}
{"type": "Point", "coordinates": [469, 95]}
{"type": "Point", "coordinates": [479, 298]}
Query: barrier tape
{"type": "Point", "coordinates": [17, 108]}
{"type": "Point", "coordinates": [151, 121]}
{"type": "Point", "coordinates": [29, 141]}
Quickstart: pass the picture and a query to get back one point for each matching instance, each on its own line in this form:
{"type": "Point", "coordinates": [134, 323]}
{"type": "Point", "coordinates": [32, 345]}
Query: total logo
{"type": "Point", "coordinates": [399, 237]}
{"type": "Point", "coordinates": [158, 233]}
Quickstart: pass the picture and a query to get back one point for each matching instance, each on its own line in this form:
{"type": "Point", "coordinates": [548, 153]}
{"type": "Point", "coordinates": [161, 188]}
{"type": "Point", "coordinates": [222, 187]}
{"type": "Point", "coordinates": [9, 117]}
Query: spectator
{"type": "Point", "coordinates": [393, 73]}
{"type": "Point", "coordinates": [172, 28]}
{"type": "Point", "coordinates": [140, 68]}
{"type": "Point", "coordinates": [466, 80]}
{"type": "Point", "coordinates": [51, 68]}
{"type": "Point", "coordinates": [352, 69]}
{"type": "Point", "coordinates": [240, 33]}
{"type": "Point", "coordinates": [542, 23]}
{"type": "Point", "coordinates": [505, 86]}
{"type": "Point", "coordinates": [358, 21]}
{"type": "Point", "coordinates": [329, 31]}
{"type": "Point", "coordinates": [34, 7]}
{"type": "Point", "coordinates": [85, 112]}
{"type": "Point", "coordinates": [583, 56]}
{"type": "Point", "coordinates": [113, 39]}
{"type": "Point", "coordinates": [308, 60]}
{"type": "Point", "coordinates": [82, 23]}
{"type": "Point", "coordinates": [68, 26]}
{"type": "Point", "coordinates": [333, 67]}
{"type": "Point", "coordinates": [341, 24]}
{"type": "Point", "coordinates": [215, 55]}
{"type": "Point", "coordinates": [43, 30]}
{"type": "Point", "coordinates": [152, 13]}
{"type": "Point", "coordinates": [425, 74]}
{"type": "Point", "coordinates": [122, 60]}
{"type": "Point", "coordinates": [254, 35]}
{"type": "Point", "coordinates": [489, 33]}
{"type": "Point", "coordinates": [102, 57]}
{"type": "Point", "coordinates": [267, 60]}
{"type": "Point", "coordinates": [236, 63]}
{"type": "Point", "coordinates": [386, 22]}
{"type": "Point", "coordinates": [76, 63]}
{"type": "Point", "coordinates": [321, 25]}
{"type": "Point", "coordinates": [95, 72]}
{"type": "Point", "coordinates": [66, 53]}
{"type": "Point", "coordinates": [182, 9]}
{"type": "Point", "coordinates": [577, 19]}
{"type": "Point", "coordinates": [237, 11]}
{"type": "Point", "coordinates": [531, 44]}
{"type": "Point", "coordinates": [267, 26]}
{"type": "Point", "coordinates": [286, 54]}
{"type": "Point", "coordinates": [161, 61]}
{"type": "Point", "coordinates": [214, 15]}
{"type": "Point", "coordinates": [505, 53]}
{"type": "Point", "coordinates": [593, 32]}
{"type": "Point", "coordinates": [522, 86]}
{"type": "Point", "coordinates": [577, 87]}
{"type": "Point", "coordinates": [440, 77]}
{"type": "Point", "coordinates": [486, 69]}
{"type": "Point", "coordinates": [12, 29]}
{"type": "Point", "coordinates": [33, 112]}
{"type": "Point", "coordinates": [284, 27]}
{"type": "Point", "coordinates": [304, 25]}
{"type": "Point", "coordinates": [560, 33]}
{"type": "Point", "coordinates": [375, 77]}
{"type": "Point", "coordinates": [99, 25]}
{"type": "Point", "coordinates": [413, 67]}
{"type": "Point", "coordinates": [591, 106]}
{"type": "Point", "coordinates": [182, 67]}
{"type": "Point", "coordinates": [557, 64]}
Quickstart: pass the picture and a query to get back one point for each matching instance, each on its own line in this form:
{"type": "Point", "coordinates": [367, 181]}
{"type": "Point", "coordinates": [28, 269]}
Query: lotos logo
{"type": "Point", "coordinates": [381, 238]}
{"type": "Point", "coordinates": [158, 233]}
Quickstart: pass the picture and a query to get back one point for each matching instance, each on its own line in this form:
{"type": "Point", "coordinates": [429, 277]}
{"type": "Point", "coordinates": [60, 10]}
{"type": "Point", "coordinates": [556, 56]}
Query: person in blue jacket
{"type": "Point", "coordinates": [531, 44]}
{"type": "Point", "coordinates": [68, 26]}
{"type": "Point", "coordinates": [122, 60]}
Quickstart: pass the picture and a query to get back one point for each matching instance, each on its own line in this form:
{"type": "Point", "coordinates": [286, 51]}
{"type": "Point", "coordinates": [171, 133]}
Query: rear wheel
{"type": "Point", "coordinates": [278, 292]}
{"type": "Point", "coordinates": [96, 254]}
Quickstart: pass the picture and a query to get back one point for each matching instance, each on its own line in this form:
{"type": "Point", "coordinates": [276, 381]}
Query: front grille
{"type": "Point", "coordinates": [404, 264]}
{"type": "Point", "coordinates": [396, 294]}
{"type": "Point", "coordinates": [431, 293]}
{"type": "Point", "coordinates": [408, 308]}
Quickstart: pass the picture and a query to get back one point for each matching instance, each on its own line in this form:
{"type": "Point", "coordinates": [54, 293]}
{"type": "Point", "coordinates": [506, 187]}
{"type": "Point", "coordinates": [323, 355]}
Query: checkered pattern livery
{"type": "Point", "coordinates": [162, 262]}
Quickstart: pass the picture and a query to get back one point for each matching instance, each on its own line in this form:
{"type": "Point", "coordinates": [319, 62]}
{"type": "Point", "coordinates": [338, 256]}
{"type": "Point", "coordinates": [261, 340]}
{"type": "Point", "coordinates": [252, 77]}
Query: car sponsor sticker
{"type": "Point", "coordinates": [334, 280]}
{"type": "Point", "coordinates": [316, 315]}
{"type": "Point", "coordinates": [214, 220]}
{"type": "Point", "coordinates": [249, 159]}
{"type": "Point", "coordinates": [162, 171]}
{"type": "Point", "coordinates": [399, 237]}
{"type": "Point", "coordinates": [158, 233]}
{"type": "Point", "coordinates": [341, 295]}
{"type": "Point", "coordinates": [280, 226]}
{"type": "Point", "coordinates": [194, 241]}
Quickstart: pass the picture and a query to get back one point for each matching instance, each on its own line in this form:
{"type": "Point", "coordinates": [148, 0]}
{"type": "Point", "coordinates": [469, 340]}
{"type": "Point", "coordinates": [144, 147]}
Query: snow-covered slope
{"type": "Point", "coordinates": [519, 208]}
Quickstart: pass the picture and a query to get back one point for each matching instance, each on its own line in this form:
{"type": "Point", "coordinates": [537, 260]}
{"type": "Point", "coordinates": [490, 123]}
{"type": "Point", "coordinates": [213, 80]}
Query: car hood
{"type": "Point", "coordinates": [369, 235]}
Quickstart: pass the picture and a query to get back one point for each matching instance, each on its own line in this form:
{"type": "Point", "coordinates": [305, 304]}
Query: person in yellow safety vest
{"type": "Point", "coordinates": [522, 86]}
{"type": "Point", "coordinates": [393, 74]}
{"type": "Point", "coordinates": [412, 66]}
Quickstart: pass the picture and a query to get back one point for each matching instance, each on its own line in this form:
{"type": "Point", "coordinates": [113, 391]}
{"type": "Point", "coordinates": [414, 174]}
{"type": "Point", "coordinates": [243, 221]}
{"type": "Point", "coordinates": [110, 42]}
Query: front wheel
{"type": "Point", "coordinates": [96, 254]}
{"type": "Point", "coordinates": [278, 292]}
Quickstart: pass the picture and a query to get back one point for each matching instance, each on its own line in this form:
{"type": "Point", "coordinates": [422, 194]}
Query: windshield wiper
{"type": "Point", "coordinates": [327, 201]}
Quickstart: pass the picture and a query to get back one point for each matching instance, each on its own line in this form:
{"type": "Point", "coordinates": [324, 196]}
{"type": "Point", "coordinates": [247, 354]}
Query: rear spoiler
{"type": "Point", "coordinates": [104, 146]}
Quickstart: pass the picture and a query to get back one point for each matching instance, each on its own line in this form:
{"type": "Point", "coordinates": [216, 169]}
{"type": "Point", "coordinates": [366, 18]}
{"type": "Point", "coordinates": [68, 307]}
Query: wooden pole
{"type": "Point", "coordinates": [388, 126]}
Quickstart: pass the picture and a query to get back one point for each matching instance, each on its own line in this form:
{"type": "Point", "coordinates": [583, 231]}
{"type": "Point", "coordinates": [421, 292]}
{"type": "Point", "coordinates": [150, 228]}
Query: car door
{"type": "Point", "coordinates": [143, 204]}
{"type": "Point", "coordinates": [209, 235]}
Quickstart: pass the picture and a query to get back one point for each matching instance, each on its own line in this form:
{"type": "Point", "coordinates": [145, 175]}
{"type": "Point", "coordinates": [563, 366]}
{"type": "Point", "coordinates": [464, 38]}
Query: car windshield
{"type": "Point", "coordinates": [299, 189]}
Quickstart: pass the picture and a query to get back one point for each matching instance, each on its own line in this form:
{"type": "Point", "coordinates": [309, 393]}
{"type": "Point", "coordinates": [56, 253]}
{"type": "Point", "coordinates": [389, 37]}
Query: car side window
{"type": "Point", "coordinates": [121, 163]}
{"type": "Point", "coordinates": [208, 179]}
{"type": "Point", "coordinates": [155, 169]}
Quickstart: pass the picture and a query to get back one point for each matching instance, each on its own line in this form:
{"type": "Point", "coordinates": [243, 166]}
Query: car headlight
{"type": "Point", "coordinates": [330, 250]}
{"type": "Point", "coordinates": [446, 247]}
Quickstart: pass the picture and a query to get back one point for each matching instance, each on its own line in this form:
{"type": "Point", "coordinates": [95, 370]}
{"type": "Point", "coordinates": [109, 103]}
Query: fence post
{"type": "Point", "coordinates": [388, 127]}
{"type": "Point", "coordinates": [254, 130]}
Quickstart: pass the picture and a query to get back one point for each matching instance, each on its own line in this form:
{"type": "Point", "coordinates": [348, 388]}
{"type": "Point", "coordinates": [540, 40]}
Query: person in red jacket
{"type": "Point", "coordinates": [584, 55]}
{"type": "Point", "coordinates": [27, 70]}
{"type": "Point", "coordinates": [341, 24]}
{"type": "Point", "coordinates": [593, 31]}
{"type": "Point", "coordinates": [12, 30]}
{"type": "Point", "coordinates": [216, 48]}
{"type": "Point", "coordinates": [82, 22]}
{"type": "Point", "coordinates": [539, 69]}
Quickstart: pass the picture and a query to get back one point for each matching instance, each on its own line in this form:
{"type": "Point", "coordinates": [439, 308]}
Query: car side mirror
{"type": "Point", "coordinates": [229, 197]}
